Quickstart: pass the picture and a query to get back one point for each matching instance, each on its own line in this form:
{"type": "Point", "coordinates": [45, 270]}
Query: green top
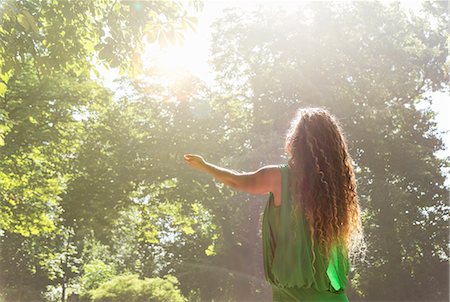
{"type": "Point", "coordinates": [287, 255]}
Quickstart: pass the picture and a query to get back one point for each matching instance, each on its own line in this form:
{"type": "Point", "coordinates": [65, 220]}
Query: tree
{"type": "Point", "coordinates": [48, 51]}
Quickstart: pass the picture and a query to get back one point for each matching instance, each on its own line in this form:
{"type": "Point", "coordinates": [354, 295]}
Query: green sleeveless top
{"type": "Point", "coordinates": [287, 255]}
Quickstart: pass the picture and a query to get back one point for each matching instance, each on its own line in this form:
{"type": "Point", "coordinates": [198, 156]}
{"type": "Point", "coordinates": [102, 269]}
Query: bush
{"type": "Point", "coordinates": [95, 273]}
{"type": "Point", "coordinates": [132, 289]}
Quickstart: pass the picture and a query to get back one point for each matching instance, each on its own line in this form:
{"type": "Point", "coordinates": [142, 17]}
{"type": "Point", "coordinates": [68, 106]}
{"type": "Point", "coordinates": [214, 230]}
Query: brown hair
{"type": "Point", "coordinates": [325, 184]}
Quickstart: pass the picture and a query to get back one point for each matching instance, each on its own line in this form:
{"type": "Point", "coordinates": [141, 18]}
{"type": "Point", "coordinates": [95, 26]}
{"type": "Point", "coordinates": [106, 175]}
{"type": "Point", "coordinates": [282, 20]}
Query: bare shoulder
{"type": "Point", "coordinates": [271, 169]}
{"type": "Point", "coordinates": [272, 176]}
{"type": "Point", "coordinates": [262, 181]}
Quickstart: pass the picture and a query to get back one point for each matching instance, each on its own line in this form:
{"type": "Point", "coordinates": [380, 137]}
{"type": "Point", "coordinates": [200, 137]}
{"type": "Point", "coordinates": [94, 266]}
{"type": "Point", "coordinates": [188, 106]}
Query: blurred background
{"type": "Point", "coordinates": [99, 100]}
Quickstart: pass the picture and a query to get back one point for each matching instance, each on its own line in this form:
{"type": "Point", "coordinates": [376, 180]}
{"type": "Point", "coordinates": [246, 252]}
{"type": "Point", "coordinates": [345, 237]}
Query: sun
{"type": "Point", "coordinates": [165, 61]}
{"type": "Point", "coordinates": [179, 68]}
{"type": "Point", "coordinates": [189, 56]}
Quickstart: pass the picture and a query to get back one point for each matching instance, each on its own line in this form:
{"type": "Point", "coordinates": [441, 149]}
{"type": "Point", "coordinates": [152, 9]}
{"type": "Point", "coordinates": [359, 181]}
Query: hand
{"type": "Point", "coordinates": [195, 161]}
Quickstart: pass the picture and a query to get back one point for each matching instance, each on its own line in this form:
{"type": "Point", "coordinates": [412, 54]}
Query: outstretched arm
{"type": "Point", "coordinates": [262, 181]}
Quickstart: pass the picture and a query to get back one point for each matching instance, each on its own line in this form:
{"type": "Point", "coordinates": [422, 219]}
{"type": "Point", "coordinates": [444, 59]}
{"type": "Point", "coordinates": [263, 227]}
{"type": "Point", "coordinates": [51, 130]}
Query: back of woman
{"type": "Point", "coordinates": [307, 239]}
{"type": "Point", "coordinates": [288, 258]}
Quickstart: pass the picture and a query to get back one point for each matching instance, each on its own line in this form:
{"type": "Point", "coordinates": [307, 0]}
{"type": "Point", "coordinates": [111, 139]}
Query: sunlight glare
{"type": "Point", "coordinates": [175, 60]}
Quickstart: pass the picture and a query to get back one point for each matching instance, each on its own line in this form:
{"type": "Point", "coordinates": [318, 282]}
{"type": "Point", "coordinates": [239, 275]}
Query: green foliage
{"type": "Point", "coordinates": [96, 272]}
{"type": "Point", "coordinates": [42, 139]}
{"type": "Point", "coordinates": [131, 288]}
{"type": "Point", "coordinates": [49, 109]}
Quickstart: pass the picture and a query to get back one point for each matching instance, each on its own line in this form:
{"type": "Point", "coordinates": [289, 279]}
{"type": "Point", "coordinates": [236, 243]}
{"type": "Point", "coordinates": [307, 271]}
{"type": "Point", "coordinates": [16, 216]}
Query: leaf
{"type": "Point", "coordinates": [210, 250]}
{"type": "Point", "coordinates": [3, 88]}
{"type": "Point", "coordinates": [5, 76]}
{"type": "Point", "coordinates": [7, 66]}
{"type": "Point", "coordinates": [32, 120]}
{"type": "Point", "coordinates": [23, 22]}
{"type": "Point", "coordinates": [106, 53]}
{"type": "Point", "coordinates": [30, 20]}
{"type": "Point", "coordinates": [188, 230]}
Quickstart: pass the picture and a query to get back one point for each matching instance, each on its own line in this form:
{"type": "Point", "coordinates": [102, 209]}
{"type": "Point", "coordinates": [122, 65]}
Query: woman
{"type": "Point", "coordinates": [311, 223]}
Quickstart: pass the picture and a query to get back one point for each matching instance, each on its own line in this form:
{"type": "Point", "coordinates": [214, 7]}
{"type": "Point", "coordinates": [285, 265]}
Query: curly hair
{"type": "Point", "coordinates": [324, 182]}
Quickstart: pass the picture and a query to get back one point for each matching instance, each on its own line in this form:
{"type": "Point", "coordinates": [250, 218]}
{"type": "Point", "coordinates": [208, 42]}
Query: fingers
{"type": "Point", "coordinates": [193, 158]}
{"type": "Point", "coordinates": [190, 159]}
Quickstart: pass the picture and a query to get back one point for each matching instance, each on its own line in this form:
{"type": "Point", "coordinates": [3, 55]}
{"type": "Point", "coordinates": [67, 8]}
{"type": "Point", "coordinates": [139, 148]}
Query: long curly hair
{"type": "Point", "coordinates": [325, 184]}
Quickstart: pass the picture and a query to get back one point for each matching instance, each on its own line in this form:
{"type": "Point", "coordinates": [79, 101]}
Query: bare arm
{"type": "Point", "coordinates": [262, 181]}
